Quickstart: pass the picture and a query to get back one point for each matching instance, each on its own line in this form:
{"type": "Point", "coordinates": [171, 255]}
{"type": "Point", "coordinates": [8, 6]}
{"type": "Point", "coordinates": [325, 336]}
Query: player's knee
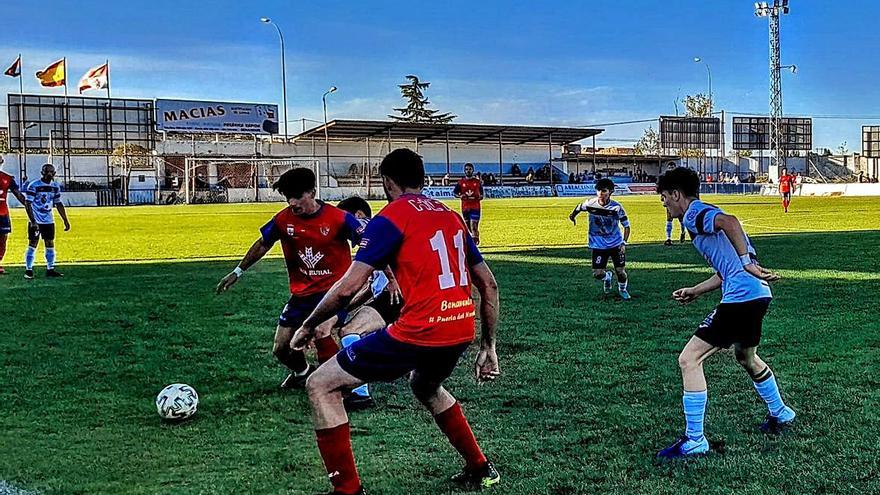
{"type": "Point", "coordinates": [423, 391]}
{"type": "Point", "coordinates": [621, 273]}
{"type": "Point", "coordinates": [687, 362]}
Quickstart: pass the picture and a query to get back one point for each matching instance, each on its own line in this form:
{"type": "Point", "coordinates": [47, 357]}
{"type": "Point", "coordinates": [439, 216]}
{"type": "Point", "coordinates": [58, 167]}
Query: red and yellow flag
{"type": "Point", "coordinates": [55, 75]}
{"type": "Point", "coordinates": [14, 70]}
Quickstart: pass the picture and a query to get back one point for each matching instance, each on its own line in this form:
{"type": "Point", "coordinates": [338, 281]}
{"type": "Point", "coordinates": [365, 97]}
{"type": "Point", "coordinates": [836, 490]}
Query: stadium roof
{"type": "Point", "coordinates": [451, 132]}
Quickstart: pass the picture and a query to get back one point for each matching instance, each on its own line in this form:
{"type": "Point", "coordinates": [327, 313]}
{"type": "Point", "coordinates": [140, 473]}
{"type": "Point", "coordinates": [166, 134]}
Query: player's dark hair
{"type": "Point", "coordinates": [296, 181]}
{"type": "Point", "coordinates": [468, 164]}
{"type": "Point", "coordinates": [680, 179]}
{"type": "Point", "coordinates": [605, 183]}
{"type": "Point", "coordinates": [404, 167]}
{"type": "Point", "coordinates": [355, 204]}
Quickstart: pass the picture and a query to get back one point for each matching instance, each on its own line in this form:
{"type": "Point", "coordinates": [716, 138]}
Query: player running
{"type": "Point", "coordinates": [435, 260]}
{"type": "Point", "coordinates": [745, 297]}
{"type": "Point", "coordinates": [42, 195]}
{"type": "Point", "coordinates": [605, 240]}
{"type": "Point", "coordinates": [787, 183]}
{"type": "Point", "coordinates": [669, 230]}
{"type": "Point", "coordinates": [315, 240]}
{"type": "Point", "coordinates": [470, 190]}
{"type": "Point", "coordinates": [8, 185]}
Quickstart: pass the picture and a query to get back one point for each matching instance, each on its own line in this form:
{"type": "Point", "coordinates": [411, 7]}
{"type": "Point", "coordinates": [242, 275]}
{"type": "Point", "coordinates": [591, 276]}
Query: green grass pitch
{"type": "Point", "coordinates": [590, 387]}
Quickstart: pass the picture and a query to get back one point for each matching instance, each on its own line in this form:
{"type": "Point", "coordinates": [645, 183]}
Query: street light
{"type": "Point", "coordinates": [22, 167]}
{"type": "Point", "coordinates": [266, 20]}
{"type": "Point", "coordinates": [698, 60]}
{"type": "Point", "coordinates": [326, 133]}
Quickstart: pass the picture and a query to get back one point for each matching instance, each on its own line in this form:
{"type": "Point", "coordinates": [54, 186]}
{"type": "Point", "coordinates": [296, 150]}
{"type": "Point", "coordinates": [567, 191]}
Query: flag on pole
{"type": "Point", "coordinates": [95, 78]}
{"type": "Point", "coordinates": [55, 75]}
{"type": "Point", "coordinates": [14, 70]}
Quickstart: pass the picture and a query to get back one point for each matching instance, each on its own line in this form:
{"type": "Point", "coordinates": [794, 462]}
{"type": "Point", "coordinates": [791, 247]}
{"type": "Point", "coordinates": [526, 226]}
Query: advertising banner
{"type": "Point", "coordinates": [216, 117]}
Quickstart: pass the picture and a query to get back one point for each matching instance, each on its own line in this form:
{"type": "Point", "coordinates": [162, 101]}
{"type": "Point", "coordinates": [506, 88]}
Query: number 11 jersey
{"type": "Point", "coordinates": [431, 253]}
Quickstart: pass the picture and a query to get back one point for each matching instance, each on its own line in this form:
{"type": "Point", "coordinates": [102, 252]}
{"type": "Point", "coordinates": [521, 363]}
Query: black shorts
{"type": "Point", "coordinates": [378, 357]}
{"type": "Point", "coordinates": [734, 323]}
{"type": "Point", "coordinates": [382, 304]}
{"type": "Point", "coordinates": [298, 308]}
{"type": "Point", "coordinates": [44, 230]}
{"type": "Point", "coordinates": [600, 257]}
{"type": "Point", "coordinates": [5, 225]}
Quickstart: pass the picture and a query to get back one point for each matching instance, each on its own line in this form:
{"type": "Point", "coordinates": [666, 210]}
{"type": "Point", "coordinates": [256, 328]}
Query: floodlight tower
{"type": "Point", "coordinates": [772, 12]}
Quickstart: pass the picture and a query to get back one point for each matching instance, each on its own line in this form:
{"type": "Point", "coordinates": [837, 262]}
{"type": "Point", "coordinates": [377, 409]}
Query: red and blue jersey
{"type": "Point", "coordinates": [471, 190]}
{"type": "Point", "coordinates": [7, 183]}
{"type": "Point", "coordinates": [316, 247]}
{"type": "Point", "coordinates": [431, 253]}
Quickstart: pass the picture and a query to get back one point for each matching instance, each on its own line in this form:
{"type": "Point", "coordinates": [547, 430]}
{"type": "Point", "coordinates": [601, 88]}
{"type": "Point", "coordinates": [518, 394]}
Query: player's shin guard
{"type": "Point", "coordinates": [765, 384]}
{"type": "Point", "coordinates": [363, 390]}
{"type": "Point", "coordinates": [456, 428]}
{"type": "Point", "coordinates": [326, 348]}
{"type": "Point", "coordinates": [29, 256]}
{"type": "Point", "coordinates": [694, 404]}
{"type": "Point", "coordinates": [50, 258]}
{"type": "Point", "coordinates": [335, 447]}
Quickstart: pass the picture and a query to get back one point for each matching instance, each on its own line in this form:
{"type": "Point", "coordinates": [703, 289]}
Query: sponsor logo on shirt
{"type": "Point", "coordinates": [290, 230]}
{"type": "Point", "coordinates": [310, 258]}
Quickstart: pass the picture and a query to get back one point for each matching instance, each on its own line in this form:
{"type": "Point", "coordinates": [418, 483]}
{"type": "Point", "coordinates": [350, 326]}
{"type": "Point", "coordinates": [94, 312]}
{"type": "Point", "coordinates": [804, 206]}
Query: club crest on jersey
{"type": "Point", "coordinates": [325, 230]}
{"type": "Point", "coordinates": [310, 258]}
{"type": "Point", "coordinates": [290, 230]}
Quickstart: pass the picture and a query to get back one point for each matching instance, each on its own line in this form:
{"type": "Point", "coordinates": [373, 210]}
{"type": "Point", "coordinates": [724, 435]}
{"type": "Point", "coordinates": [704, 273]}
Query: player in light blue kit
{"type": "Point", "coordinates": [605, 239]}
{"type": "Point", "coordinates": [737, 321]}
{"type": "Point", "coordinates": [42, 195]}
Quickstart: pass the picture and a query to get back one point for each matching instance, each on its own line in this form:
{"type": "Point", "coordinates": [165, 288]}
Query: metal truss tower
{"type": "Point", "coordinates": [772, 12]}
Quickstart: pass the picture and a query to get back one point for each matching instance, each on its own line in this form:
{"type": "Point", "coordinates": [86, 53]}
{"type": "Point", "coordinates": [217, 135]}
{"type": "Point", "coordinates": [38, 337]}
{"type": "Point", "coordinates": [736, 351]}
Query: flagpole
{"type": "Point", "coordinates": [107, 64]}
{"type": "Point", "coordinates": [66, 126]}
{"type": "Point", "coordinates": [22, 126]}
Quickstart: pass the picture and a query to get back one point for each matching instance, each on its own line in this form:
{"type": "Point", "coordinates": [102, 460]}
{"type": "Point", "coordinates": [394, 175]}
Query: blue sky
{"type": "Point", "coordinates": [553, 62]}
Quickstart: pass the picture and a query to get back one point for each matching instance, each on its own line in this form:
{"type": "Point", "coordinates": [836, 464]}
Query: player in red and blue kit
{"type": "Point", "coordinates": [315, 240]}
{"type": "Point", "coordinates": [7, 185]}
{"type": "Point", "coordinates": [435, 261]}
{"type": "Point", "coordinates": [470, 190]}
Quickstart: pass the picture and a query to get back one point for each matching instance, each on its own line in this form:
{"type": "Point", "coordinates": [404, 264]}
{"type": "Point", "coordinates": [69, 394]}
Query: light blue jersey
{"type": "Point", "coordinates": [42, 197]}
{"type": "Point", "coordinates": [737, 285]}
{"type": "Point", "coordinates": [604, 233]}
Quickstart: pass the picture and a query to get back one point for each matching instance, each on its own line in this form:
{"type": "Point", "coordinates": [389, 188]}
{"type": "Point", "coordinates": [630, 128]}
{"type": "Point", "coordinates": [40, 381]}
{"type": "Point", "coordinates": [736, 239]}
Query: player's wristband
{"type": "Point", "coordinates": [746, 259]}
{"type": "Point", "coordinates": [238, 271]}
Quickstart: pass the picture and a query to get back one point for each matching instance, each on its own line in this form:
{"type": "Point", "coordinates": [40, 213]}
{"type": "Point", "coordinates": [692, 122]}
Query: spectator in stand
{"type": "Point", "coordinates": [515, 171]}
{"type": "Point", "coordinates": [353, 169]}
{"type": "Point", "coordinates": [736, 179]}
{"type": "Point", "coordinates": [530, 176]}
{"type": "Point", "coordinates": [445, 180]}
{"type": "Point", "coordinates": [571, 178]}
{"type": "Point", "coordinates": [862, 177]}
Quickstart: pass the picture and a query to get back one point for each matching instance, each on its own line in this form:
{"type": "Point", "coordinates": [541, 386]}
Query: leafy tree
{"type": "Point", "coordinates": [416, 109]}
{"type": "Point", "coordinates": [649, 143]}
{"type": "Point", "coordinates": [698, 105]}
{"type": "Point", "coordinates": [842, 149]}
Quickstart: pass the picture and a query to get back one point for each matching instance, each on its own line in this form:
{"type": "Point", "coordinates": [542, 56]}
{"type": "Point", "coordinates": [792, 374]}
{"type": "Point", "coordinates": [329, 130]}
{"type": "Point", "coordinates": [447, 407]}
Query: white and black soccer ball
{"type": "Point", "coordinates": [177, 401]}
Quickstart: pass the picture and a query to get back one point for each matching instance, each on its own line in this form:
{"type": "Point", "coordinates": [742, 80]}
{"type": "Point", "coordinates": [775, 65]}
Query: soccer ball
{"type": "Point", "coordinates": [177, 401]}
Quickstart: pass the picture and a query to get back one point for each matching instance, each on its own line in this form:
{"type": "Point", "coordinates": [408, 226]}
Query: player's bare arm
{"type": "Point", "coordinates": [361, 297]}
{"type": "Point", "coordinates": [63, 213]}
{"type": "Point", "coordinates": [393, 287]}
{"type": "Point", "coordinates": [254, 254]}
{"type": "Point", "coordinates": [734, 231]}
{"type": "Point", "coordinates": [573, 215]}
{"type": "Point", "coordinates": [626, 232]}
{"type": "Point", "coordinates": [487, 367]}
{"type": "Point", "coordinates": [688, 294]}
{"type": "Point", "coordinates": [337, 298]}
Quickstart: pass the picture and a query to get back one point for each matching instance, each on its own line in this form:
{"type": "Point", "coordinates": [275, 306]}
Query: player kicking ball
{"type": "Point", "coordinates": [315, 240]}
{"type": "Point", "coordinates": [605, 240]}
{"type": "Point", "coordinates": [736, 321]}
{"type": "Point", "coordinates": [435, 260]}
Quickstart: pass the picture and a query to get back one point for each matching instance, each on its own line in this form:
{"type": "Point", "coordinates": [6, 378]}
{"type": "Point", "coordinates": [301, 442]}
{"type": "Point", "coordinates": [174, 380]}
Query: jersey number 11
{"type": "Point", "coordinates": [446, 277]}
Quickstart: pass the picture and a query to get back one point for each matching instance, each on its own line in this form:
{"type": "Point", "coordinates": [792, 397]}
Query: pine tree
{"type": "Point", "coordinates": [417, 109]}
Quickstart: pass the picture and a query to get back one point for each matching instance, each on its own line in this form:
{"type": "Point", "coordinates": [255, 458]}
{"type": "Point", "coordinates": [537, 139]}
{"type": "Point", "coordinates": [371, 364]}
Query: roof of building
{"type": "Point", "coordinates": [453, 133]}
